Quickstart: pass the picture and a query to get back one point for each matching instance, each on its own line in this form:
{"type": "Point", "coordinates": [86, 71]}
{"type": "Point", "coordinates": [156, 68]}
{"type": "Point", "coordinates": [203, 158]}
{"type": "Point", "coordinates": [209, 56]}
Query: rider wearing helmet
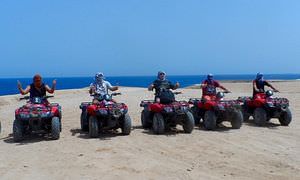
{"type": "Point", "coordinates": [209, 87]}
{"type": "Point", "coordinates": [100, 87]}
{"type": "Point", "coordinates": [259, 84]}
{"type": "Point", "coordinates": [162, 88]}
{"type": "Point", "coordinates": [37, 88]}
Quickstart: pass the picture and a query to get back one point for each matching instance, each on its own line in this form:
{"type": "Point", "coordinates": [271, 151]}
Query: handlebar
{"type": "Point", "coordinates": [28, 97]}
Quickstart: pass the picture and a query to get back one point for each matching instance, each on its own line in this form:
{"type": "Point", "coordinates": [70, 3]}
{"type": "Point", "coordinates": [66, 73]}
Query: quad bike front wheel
{"type": "Point", "coordinates": [236, 119]}
{"type": "Point", "coordinates": [210, 120]}
{"type": "Point", "coordinates": [93, 127]}
{"type": "Point", "coordinates": [146, 124]}
{"type": "Point", "coordinates": [18, 131]}
{"type": "Point", "coordinates": [189, 123]}
{"type": "Point", "coordinates": [55, 128]}
{"type": "Point", "coordinates": [126, 126]}
{"type": "Point", "coordinates": [260, 116]}
{"type": "Point", "coordinates": [83, 121]}
{"type": "Point", "coordinates": [285, 117]}
{"type": "Point", "coordinates": [158, 124]}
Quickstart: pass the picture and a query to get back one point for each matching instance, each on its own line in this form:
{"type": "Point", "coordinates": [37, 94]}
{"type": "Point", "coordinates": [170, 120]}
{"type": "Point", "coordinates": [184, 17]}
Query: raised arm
{"type": "Point", "coordinates": [51, 90]}
{"type": "Point", "coordinates": [177, 85]}
{"type": "Point", "coordinates": [150, 87]}
{"type": "Point", "coordinates": [23, 91]}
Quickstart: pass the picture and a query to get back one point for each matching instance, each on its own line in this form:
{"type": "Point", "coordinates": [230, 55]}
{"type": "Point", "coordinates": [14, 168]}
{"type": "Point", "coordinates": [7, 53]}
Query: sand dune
{"type": "Point", "coordinates": [270, 152]}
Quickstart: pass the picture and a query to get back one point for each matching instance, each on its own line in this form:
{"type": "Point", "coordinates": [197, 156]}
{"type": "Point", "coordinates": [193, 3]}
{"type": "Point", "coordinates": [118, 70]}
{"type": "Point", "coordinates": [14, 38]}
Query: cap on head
{"type": "Point", "coordinates": [259, 76]}
{"type": "Point", "coordinates": [99, 76]}
{"type": "Point", "coordinates": [210, 76]}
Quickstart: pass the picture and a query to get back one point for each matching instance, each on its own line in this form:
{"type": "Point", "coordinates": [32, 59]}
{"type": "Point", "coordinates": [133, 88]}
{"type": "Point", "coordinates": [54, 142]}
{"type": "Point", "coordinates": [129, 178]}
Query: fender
{"type": "Point", "coordinates": [91, 109]}
{"type": "Point", "coordinates": [156, 107]}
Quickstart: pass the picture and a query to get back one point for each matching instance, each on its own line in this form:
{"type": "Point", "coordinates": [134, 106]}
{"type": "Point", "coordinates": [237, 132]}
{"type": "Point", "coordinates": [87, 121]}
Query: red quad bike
{"type": "Point", "coordinates": [216, 110]}
{"type": "Point", "coordinates": [162, 116]}
{"type": "Point", "coordinates": [105, 115]}
{"type": "Point", "coordinates": [264, 106]}
{"type": "Point", "coordinates": [37, 116]}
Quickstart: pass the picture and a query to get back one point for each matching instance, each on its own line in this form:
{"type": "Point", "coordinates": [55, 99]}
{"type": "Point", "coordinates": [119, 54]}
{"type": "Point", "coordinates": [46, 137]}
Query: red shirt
{"type": "Point", "coordinates": [210, 89]}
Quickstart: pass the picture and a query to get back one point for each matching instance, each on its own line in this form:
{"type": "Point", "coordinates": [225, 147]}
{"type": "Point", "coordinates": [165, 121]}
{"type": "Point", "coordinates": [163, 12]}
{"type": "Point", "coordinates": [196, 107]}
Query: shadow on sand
{"type": "Point", "coordinates": [28, 139]}
{"type": "Point", "coordinates": [103, 135]}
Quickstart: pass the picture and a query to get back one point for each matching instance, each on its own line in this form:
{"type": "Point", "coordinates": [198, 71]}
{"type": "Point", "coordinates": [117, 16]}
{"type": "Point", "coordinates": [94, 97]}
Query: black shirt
{"type": "Point", "coordinates": [160, 85]}
{"type": "Point", "coordinates": [34, 92]}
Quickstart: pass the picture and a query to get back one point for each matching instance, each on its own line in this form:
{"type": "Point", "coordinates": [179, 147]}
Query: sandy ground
{"type": "Point", "coordinates": [271, 152]}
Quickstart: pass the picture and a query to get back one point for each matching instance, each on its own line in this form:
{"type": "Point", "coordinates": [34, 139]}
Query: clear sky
{"type": "Point", "coordinates": [140, 37]}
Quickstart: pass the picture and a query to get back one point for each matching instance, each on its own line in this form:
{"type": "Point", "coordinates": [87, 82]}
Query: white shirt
{"type": "Point", "coordinates": [101, 88]}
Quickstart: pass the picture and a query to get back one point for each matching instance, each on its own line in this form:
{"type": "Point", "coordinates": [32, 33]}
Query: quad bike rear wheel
{"type": "Point", "coordinates": [158, 124]}
{"type": "Point", "coordinates": [126, 126]}
{"type": "Point", "coordinates": [55, 128]}
{"type": "Point", "coordinates": [145, 115]}
{"type": "Point", "coordinates": [195, 115]}
{"type": "Point", "coordinates": [189, 123]}
{"type": "Point", "coordinates": [18, 131]}
{"type": "Point", "coordinates": [285, 117]}
{"type": "Point", "coordinates": [210, 120]}
{"type": "Point", "coordinates": [83, 121]}
{"type": "Point", "coordinates": [93, 127]}
{"type": "Point", "coordinates": [236, 119]}
{"type": "Point", "coordinates": [260, 116]}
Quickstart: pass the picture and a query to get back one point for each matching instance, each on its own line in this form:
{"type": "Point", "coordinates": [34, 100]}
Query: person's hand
{"type": "Point", "coordinates": [260, 90]}
{"type": "Point", "coordinates": [54, 82]}
{"type": "Point", "coordinates": [19, 84]}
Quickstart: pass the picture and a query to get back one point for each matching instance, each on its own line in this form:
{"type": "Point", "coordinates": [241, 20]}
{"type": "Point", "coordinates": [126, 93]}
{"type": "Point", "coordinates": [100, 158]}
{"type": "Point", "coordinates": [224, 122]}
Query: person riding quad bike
{"type": "Point", "coordinates": [213, 109]}
{"type": "Point", "coordinates": [259, 85]}
{"type": "Point", "coordinates": [263, 106]}
{"type": "Point", "coordinates": [104, 113]}
{"type": "Point", "coordinates": [165, 112]}
{"type": "Point", "coordinates": [37, 88]}
{"type": "Point", "coordinates": [209, 88]}
{"type": "Point", "coordinates": [100, 87]}
{"type": "Point", "coordinates": [37, 115]}
{"type": "Point", "coordinates": [162, 88]}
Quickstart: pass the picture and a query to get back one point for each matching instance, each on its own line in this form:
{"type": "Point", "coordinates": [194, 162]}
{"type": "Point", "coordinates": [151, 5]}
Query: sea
{"type": "Point", "coordinates": [8, 86]}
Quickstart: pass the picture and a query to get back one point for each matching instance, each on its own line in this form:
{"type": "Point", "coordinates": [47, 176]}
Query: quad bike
{"type": "Point", "coordinates": [161, 116]}
{"type": "Point", "coordinates": [106, 114]}
{"type": "Point", "coordinates": [37, 116]}
{"type": "Point", "coordinates": [264, 106]}
{"type": "Point", "coordinates": [216, 110]}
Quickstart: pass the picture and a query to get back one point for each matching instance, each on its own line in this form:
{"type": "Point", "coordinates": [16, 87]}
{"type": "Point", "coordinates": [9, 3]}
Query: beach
{"type": "Point", "coordinates": [270, 152]}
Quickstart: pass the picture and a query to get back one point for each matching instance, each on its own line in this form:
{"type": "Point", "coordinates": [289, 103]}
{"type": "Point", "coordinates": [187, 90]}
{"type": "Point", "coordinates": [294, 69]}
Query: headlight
{"type": "Point", "coordinates": [168, 109]}
{"type": "Point", "coordinates": [102, 111]}
{"type": "Point", "coordinates": [24, 116]}
{"type": "Point", "coordinates": [44, 115]}
{"type": "Point", "coordinates": [184, 108]}
{"type": "Point", "coordinates": [270, 104]}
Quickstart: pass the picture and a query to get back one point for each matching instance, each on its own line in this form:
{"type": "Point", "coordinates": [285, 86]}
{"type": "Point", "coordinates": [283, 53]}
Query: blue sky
{"type": "Point", "coordinates": [135, 37]}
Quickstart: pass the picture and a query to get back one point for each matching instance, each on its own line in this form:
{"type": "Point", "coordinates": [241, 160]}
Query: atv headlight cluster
{"type": "Point", "coordinates": [270, 104]}
{"type": "Point", "coordinates": [45, 115]}
{"type": "Point", "coordinates": [24, 116]}
{"type": "Point", "coordinates": [184, 108]}
{"type": "Point", "coordinates": [102, 112]}
{"type": "Point", "coordinates": [168, 109]}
